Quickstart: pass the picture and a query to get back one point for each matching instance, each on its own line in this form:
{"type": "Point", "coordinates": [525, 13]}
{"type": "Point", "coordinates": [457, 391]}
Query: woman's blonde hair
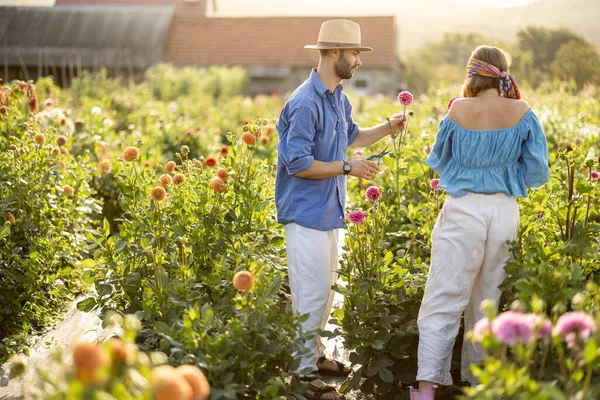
{"type": "Point", "coordinates": [492, 55]}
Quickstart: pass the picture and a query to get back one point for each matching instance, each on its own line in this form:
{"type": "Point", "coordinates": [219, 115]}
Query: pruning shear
{"type": "Point", "coordinates": [379, 156]}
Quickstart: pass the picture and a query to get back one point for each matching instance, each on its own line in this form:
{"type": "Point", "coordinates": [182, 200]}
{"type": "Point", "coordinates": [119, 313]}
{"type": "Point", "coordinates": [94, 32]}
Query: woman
{"type": "Point", "coordinates": [488, 149]}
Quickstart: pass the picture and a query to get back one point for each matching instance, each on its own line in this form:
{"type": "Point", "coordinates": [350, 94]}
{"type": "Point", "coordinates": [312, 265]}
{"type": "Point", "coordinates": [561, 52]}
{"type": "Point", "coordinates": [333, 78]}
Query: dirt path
{"type": "Point", "coordinates": [75, 324]}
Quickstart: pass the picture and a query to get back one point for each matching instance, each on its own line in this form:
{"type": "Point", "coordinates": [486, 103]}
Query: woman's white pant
{"type": "Point", "coordinates": [468, 256]}
{"type": "Point", "coordinates": [312, 269]}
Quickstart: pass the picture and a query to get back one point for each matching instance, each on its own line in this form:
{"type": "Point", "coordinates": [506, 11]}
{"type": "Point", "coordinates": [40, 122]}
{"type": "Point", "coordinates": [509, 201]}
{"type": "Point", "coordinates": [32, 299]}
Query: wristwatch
{"type": "Point", "coordinates": [347, 167]}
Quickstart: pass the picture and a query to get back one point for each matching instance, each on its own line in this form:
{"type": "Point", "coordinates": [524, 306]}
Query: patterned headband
{"type": "Point", "coordinates": [508, 86]}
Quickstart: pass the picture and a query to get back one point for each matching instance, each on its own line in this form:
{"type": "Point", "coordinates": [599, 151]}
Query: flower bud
{"type": "Point", "coordinates": [591, 287]}
{"type": "Point", "coordinates": [131, 322]}
{"type": "Point", "coordinates": [488, 307]}
{"type": "Point", "coordinates": [578, 300]}
{"type": "Point", "coordinates": [518, 306]}
{"type": "Point", "coordinates": [17, 366]}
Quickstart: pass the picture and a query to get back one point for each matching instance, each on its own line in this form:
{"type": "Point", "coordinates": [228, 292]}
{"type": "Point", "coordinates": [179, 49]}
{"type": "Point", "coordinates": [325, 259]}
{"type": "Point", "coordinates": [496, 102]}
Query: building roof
{"type": "Point", "coordinates": [117, 36]}
{"type": "Point", "coordinates": [196, 8]}
{"type": "Point", "coordinates": [267, 42]}
{"type": "Point", "coordinates": [27, 3]}
{"type": "Point", "coordinates": [140, 33]}
{"type": "Point", "coordinates": [271, 42]}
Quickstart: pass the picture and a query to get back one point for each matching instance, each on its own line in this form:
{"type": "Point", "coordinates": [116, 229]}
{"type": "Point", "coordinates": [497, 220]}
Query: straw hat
{"type": "Point", "coordinates": [339, 34]}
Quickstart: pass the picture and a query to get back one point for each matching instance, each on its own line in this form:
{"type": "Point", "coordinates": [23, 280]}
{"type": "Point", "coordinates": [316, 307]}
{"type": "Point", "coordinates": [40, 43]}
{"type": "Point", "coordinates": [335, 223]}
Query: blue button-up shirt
{"type": "Point", "coordinates": [315, 124]}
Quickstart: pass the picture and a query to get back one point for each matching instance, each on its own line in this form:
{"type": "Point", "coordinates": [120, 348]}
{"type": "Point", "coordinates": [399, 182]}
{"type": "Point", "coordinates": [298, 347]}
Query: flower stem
{"type": "Point", "coordinates": [563, 367]}
{"type": "Point", "coordinates": [503, 355]}
{"type": "Point", "coordinates": [586, 384]}
{"type": "Point", "coordinates": [587, 211]}
{"type": "Point", "coordinates": [544, 358]}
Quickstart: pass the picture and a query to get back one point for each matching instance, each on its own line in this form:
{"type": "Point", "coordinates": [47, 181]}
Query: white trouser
{"type": "Point", "coordinates": [312, 267]}
{"type": "Point", "coordinates": [468, 256]}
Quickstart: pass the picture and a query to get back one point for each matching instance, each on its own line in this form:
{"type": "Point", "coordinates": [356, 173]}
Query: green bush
{"type": "Point", "coordinates": [47, 204]}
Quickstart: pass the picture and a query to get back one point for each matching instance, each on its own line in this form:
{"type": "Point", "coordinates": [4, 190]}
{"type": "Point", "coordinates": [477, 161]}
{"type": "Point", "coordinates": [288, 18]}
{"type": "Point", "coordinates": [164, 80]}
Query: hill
{"type": "Point", "coordinates": [418, 25]}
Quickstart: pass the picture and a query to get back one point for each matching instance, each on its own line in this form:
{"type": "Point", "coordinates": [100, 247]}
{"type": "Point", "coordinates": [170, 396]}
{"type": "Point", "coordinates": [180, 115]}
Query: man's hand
{"type": "Point", "coordinates": [398, 123]}
{"type": "Point", "coordinates": [362, 168]}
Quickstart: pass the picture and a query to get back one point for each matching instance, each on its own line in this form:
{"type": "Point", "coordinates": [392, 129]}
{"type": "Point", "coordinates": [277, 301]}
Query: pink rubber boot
{"type": "Point", "coordinates": [424, 394]}
{"type": "Point", "coordinates": [414, 394]}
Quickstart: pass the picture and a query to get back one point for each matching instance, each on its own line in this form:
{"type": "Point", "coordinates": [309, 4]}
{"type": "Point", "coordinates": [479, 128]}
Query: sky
{"type": "Point", "coordinates": [310, 7]}
{"type": "Point", "coordinates": [346, 7]}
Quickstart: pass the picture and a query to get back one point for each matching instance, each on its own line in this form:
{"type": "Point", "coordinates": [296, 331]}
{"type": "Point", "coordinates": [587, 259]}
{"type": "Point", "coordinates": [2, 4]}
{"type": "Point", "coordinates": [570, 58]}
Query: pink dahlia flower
{"type": "Point", "coordinates": [575, 325]}
{"type": "Point", "coordinates": [481, 327]}
{"type": "Point", "coordinates": [543, 325]}
{"type": "Point", "coordinates": [357, 217]}
{"type": "Point", "coordinates": [405, 98]}
{"type": "Point", "coordinates": [513, 327]}
{"type": "Point", "coordinates": [373, 193]}
{"type": "Point", "coordinates": [435, 184]}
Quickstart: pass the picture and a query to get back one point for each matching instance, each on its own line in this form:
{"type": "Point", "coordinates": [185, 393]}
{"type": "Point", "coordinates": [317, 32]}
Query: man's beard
{"type": "Point", "coordinates": [343, 68]}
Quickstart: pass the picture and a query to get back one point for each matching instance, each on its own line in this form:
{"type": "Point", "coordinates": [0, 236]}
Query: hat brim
{"type": "Point", "coordinates": [324, 47]}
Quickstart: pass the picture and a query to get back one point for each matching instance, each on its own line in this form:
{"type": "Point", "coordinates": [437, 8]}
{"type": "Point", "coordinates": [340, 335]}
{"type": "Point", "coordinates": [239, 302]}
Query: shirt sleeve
{"type": "Point", "coordinates": [442, 148]}
{"type": "Point", "coordinates": [296, 146]}
{"type": "Point", "coordinates": [352, 126]}
{"type": "Point", "coordinates": [535, 155]}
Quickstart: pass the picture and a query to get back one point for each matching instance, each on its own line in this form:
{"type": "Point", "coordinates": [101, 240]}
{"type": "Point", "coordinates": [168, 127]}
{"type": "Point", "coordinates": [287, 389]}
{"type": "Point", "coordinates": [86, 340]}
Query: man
{"type": "Point", "coordinates": [315, 130]}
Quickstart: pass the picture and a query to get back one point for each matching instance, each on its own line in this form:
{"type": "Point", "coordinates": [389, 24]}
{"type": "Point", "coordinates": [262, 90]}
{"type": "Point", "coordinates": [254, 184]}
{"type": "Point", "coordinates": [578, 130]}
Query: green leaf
{"type": "Point", "coordinates": [5, 231]}
{"type": "Point", "coordinates": [344, 387]}
{"type": "Point", "coordinates": [230, 137]}
{"type": "Point", "coordinates": [106, 228]}
{"type": "Point", "coordinates": [414, 174]}
{"type": "Point", "coordinates": [386, 375]}
{"type": "Point", "coordinates": [88, 263]}
{"type": "Point", "coordinates": [388, 259]}
{"type": "Point", "coordinates": [417, 283]}
{"type": "Point", "coordinates": [373, 369]}
{"type": "Point", "coordinates": [86, 305]}
{"type": "Point", "coordinates": [277, 241]}
{"type": "Point", "coordinates": [591, 350]}
{"type": "Point", "coordinates": [207, 314]}
{"type": "Point", "coordinates": [389, 162]}
{"type": "Point", "coordinates": [26, 351]}
{"type": "Point", "coordinates": [275, 285]}
{"type": "Point", "coordinates": [378, 344]}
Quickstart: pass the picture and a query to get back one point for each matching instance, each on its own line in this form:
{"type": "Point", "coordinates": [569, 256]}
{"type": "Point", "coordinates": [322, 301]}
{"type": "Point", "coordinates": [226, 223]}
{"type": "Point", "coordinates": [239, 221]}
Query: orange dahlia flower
{"type": "Point", "coordinates": [158, 193]}
{"type": "Point", "coordinates": [243, 280]}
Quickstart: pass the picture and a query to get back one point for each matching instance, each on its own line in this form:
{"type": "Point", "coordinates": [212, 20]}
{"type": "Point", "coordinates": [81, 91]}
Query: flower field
{"type": "Point", "coordinates": [156, 199]}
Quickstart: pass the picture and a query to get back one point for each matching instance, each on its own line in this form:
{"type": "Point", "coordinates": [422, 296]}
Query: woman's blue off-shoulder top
{"type": "Point", "coordinates": [490, 161]}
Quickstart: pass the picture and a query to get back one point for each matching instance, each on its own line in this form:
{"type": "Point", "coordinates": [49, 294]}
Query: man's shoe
{"type": "Point", "coordinates": [341, 370]}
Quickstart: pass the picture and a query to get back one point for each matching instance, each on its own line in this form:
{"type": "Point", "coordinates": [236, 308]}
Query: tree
{"type": "Point", "coordinates": [577, 61]}
{"type": "Point", "coordinates": [539, 47]}
{"type": "Point", "coordinates": [440, 60]}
